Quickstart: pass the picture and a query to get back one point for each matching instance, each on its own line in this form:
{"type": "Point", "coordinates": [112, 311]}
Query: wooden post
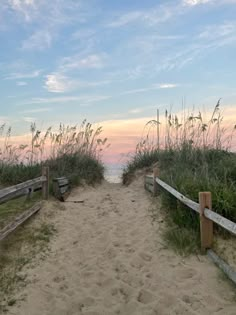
{"type": "Point", "coordinates": [45, 185]}
{"type": "Point", "coordinates": [30, 193]}
{"type": "Point", "coordinates": [155, 185]}
{"type": "Point", "coordinates": [206, 225]}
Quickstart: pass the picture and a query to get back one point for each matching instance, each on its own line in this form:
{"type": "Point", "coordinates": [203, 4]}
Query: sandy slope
{"type": "Point", "coordinates": [109, 259]}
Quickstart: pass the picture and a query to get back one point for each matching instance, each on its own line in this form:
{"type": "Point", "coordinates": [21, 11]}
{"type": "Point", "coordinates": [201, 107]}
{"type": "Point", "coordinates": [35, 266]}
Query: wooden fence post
{"type": "Point", "coordinates": [155, 185]}
{"type": "Point", "coordinates": [206, 225]}
{"type": "Point", "coordinates": [45, 185]}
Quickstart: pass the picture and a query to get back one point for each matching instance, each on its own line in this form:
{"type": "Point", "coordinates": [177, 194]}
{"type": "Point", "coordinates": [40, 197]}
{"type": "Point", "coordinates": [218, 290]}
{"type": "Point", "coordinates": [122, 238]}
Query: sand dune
{"type": "Point", "coordinates": [109, 259]}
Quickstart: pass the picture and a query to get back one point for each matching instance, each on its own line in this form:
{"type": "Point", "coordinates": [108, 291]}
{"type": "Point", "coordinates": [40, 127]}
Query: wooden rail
{"type": "Point", "coordinates": [26, 188]}
{"type": "Point", "coordinates": [21, 189]}
{"type": "Point", "coordinates": [207, 217]}
{"type": "Point", "coordinates": [191, 204]}
{"type": "Point", "coordinates": [61, 188]}
{"type": "Point", "coordinates": [208, 213]}
{"type": "Point", "coordinates": [18, 221]}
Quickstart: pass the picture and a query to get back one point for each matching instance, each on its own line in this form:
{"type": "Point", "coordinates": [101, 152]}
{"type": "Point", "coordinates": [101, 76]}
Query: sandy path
{"type": "Point", "coordinates": [108, 259]}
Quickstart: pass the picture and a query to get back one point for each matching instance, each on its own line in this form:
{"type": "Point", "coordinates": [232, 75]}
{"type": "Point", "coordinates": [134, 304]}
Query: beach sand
{"type": "Point", "coordinates": [108, 258]}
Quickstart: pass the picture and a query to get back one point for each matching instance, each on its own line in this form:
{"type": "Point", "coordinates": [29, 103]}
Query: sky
{"type": "Point", "coordinates": [114, 62]}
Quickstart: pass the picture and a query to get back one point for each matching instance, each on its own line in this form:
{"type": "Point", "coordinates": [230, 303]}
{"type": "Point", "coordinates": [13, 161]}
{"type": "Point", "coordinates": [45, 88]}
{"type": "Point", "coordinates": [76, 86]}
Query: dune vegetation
{"type": "Point", "coordinates": [72, 151]}
{"type": "Point", "coordinates": [195, 156]}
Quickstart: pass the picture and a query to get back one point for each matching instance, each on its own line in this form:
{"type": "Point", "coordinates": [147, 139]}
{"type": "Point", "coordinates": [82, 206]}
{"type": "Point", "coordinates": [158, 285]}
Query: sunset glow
{"type": "Point", "coordinates": [114, 63]}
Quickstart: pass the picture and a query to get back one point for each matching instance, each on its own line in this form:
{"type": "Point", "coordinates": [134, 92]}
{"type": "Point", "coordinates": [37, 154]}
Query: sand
{"type": "Point", "coordinates": [108, 258]}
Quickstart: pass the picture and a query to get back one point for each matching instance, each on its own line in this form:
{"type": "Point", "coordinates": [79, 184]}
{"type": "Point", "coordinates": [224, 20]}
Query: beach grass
{"type": "Point", "coordinates": [72, 151]}
{"type": "Point", "coordinates": [195, 156]}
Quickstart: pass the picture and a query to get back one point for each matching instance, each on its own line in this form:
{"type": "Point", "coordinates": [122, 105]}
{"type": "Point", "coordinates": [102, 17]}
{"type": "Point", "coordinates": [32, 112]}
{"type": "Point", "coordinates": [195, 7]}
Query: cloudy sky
{"type": "Point", "coordinates": [114, 62]}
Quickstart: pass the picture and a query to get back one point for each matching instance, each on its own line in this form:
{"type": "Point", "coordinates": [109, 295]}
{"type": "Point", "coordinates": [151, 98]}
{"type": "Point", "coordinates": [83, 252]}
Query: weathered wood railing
{"type": "Point", "coordinates": [207, 217]}
{"type": "Point", "coordinates": [26, 188]}
{"type": "Point", "coordinates": [61, 188]}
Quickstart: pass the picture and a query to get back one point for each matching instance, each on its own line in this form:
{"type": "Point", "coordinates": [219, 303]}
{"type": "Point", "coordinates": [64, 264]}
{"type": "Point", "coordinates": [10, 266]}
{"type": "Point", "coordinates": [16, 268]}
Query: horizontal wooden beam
{"type": "Point", "coordinates": [191, 204]}
{"type": "Point", "coordinates": [211, 215]}
{"type": "Point", "coordinates": [20, 189]}
{"type": "Point", "coordinates": [19, 220]}
{"type": "Point", "coordinates": [229, 271]}
{"type": "Point", "coordinates": [221, 221]}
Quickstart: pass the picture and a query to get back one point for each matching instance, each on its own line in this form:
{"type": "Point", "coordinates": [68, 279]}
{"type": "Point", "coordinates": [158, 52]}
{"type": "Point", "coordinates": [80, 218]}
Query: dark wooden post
{"type": "Point", "coordinates": [30, 193]}
{"type": "Point", "coordinates": [206, 225]}
{"type": "Point", "coordinates": [155, 185]}
{"type": "Point", "coordinates": [45, 185]}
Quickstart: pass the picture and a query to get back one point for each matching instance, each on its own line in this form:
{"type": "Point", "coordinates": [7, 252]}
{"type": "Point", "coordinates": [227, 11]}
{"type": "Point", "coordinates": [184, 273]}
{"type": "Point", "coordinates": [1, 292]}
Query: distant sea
{"type": "Point", "coordinates": [113, 173]}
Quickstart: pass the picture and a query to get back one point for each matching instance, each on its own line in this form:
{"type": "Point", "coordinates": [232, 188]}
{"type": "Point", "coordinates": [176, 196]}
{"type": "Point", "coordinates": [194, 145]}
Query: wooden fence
{"type": "Point", "coordinates": [25, 189]}
{"type": "Point", "coordinates": [207, 217]}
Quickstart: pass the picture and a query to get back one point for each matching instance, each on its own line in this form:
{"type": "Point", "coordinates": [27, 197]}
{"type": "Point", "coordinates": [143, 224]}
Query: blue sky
{"type": "Point", "coordinates": [66, 60]}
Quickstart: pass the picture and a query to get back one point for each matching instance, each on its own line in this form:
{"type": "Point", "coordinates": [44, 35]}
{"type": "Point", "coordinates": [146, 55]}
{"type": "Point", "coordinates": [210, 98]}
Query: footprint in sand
{"type": "Point", "coordinates": [145, 256]}
{"type": "Point", "coordinates": [137, 263]}
{"type": "Point", "coordinates": [58, 279]}
{"type": "Point", "coordinates": [145, 297]}
{"type": "Point", "coordinates": [111, 253]}
{"type": "Point", "coordinates": [125, 293]}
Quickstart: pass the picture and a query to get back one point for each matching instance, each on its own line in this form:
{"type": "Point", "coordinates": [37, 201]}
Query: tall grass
{"type": "Point", "coordinates": [194, 156]}
{"type": "Point", "coordinates": [73, 151]}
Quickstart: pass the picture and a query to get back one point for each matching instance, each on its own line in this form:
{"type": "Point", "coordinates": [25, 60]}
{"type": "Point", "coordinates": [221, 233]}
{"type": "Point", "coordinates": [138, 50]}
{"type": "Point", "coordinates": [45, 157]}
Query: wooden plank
{"type": "Point", "coordinates": [19, 189]}
{"type": "Point", "coordinates": [155, 186]}
{"type": "Point", "coordinates": [206, 225]}
{"type": "Point", "coordinates": [149, 180]}
{"type": "Point", "coordinates": [19, 220]}
{"type": "Point", "coordinates": [229, 271]}
{"type": "Point", "coordinates": [65, 196]}
{"type": "Point", "coordinates": [61, 188]}
{"type": "Point", "coordinates": [149, 187]}
{"type": "Point", "coordinates": [64, 182]}
{"type": "Point", "coordinates": [61, 181]}
{"type": "Point", "coordinates": [45, 187]}
{"type": "Point", "coordinates": [64, 189]}
{"type": "Point", "coordinates": [218, 219]}
{"type": "Point", "coordinates": [191, 204]}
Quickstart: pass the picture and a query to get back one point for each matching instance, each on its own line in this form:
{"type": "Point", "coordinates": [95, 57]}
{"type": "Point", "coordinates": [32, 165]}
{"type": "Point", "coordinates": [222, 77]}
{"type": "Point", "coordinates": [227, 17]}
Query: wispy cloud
{"type": "Point", "coordinates": [93, 61]}
{"type": "Point", "coordinates": [67, 99]}
{"type": "Point", "coordinates": [39, 40]}
{"type": "Point", "coordinates": [126, 19]}
{"type": "Point", "coordinates": [21, 83]}
{"type": "Point", "coordinates": [59, 83]}
{"type": "Point", "coordinates": [140, 110]}
{"type": "Point", "coordinates": [212, 37]}
{"type": "Point", "coordinates": [26, 75]}
{"type": "Point", "coordinates": [219, 31]}
{"type": "Point", "coordinates": [193, 3]}
{"type": "Point", "coordinates": [24, 7]}
{"type": "Point", "coordinates": [29, 119]}
{"type": "Point", "coordinates": [83, 34]}
{"type": "Point", "coordinates": [37, 110]}
{"type": "Point", "coordinates": [168, 86]}
{"type": "Point", "coordinates": [196, 2]}
{"type": "Point", "coordinates": [152, 87]}
{"type": "Point", "coordinates": [46, 18]}
{"type": "Point", "coordinates": [150, 17]}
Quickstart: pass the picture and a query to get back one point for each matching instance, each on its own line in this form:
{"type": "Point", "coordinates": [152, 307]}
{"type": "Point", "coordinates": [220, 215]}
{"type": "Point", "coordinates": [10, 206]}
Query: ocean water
{"type": "Point", "coordinates": [113, 173]}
